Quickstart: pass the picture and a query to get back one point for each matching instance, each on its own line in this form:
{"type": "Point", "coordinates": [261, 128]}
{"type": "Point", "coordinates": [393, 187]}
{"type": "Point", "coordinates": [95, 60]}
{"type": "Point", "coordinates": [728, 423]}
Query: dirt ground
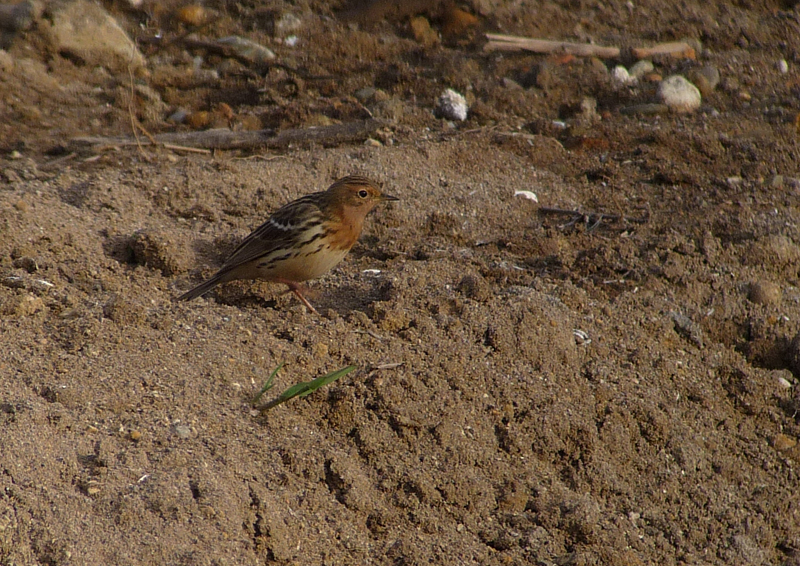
{"type": "Point", "coordinates": [531, 387]}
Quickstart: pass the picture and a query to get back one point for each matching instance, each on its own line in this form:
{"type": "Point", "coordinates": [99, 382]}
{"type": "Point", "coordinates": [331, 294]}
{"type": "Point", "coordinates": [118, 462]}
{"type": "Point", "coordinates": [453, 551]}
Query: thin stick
{"type": "Point", "coordinates": [593, 218]}
{"type": "Point", "coordinates": [678, 49]}
{"type": "Point", "coordinates": [174, 147]}
{"type": "Point", "coordinates": [500, 42]}
{"type": "Point", "coordinates": [223, 138]}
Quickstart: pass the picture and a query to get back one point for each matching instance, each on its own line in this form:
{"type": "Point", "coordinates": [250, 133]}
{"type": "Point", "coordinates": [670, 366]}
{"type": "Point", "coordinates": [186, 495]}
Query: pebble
{"type": "Point", "coordinates": [475, 287]}
{"type": "Point", "coordinates": [199, 120]}
{"type": "Point", "coordinates": [451, 106]}
{"type": "Point", "coordinates": [679, 94]}
{"type": "Point", "coordinates": [248, 50]}
{"type": "Point", "coordinates": [192, 15]}
{"type": "Point", "coordinates": [641, 68]}
{"type": "Point", "coordinates": [783, 66]}
{"type": "Point", "coordinates": [783, 442]}
{"type": "Point", "coordinates": [785, 383]}
{"type": "Point", "coordinates": [179, 116]}
{"type": "Point", "coordinates": [423, 32]}
{"type": "Point", "coordinates": [86, 29]}
{"type": "Point", "coordinates": [777, 181]}
{"type": "Point", "coordinates": [765, 293]}
{"type": "Point", "coordinates": [363, 95]}
{"type": "Point", "coordinates": [620, 77]}
{"type": "Point", "coordinates": [182, 431]}
{"type": "Point", "coordinates": [24, 305]}
{"type": "Point", "coordinates": [705, 78]}
{"type": "Point", "coordinates": [287, 25]}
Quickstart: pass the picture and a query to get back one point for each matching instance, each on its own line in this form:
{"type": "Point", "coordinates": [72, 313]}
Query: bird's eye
{"type": "Point", "coordinates": [363, 193]}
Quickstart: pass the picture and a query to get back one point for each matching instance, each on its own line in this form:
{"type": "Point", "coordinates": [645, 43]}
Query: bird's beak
{"type": "Point", "coordinates": [388, 198]}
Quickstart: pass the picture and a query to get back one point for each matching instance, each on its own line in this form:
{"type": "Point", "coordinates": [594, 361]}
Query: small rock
{"type": "Point", "coordinates": [182, 431]}
{"type": "Point", "coordinates": [587, 111]}
{"type": "Point", "coordinates": [783, 442]}
{"type": "Point", "coordinates": [705, 78]}
{"type": "Point", "coordinates": [87, 31]}
{"type": "Point", "coordinates": [248, 50]}
{"type": "Point", "coordinates": [776, 182]}
{"type": "Point", "coordinates": [456, 21]}
{"type": "Point", "coordinates": [688, 328]}
{"type": "Point", "coordinates": [199, 120]}
{"type": "Point", "coordinates": [363, 95]}
{"type": "Point", "coordinates": [641, 68]}
{"type": "Point", "coordinates": [24, 305]}
{"type": "Point", "coordinates": [451, 106]}
{"type": "Point", "coordinates": [123, 312]}
{"type": "Point", "coordinates": [192, 15]}
{"type": "Point", "coordinates": [27, 263]}
{"type": "Point", "coordinates": [135, 435]}
{"type": "Point", "coordinates": [287, 24]}
{"type": "Point", "coordinates": [392, 109]}
{"type": "Point", "coordinates": [179, 116]}
{"type": "Point", "coordinates": [620, 77]}
{"type": "Point", "coordinates": [783, 66]}
{"type": "Point", "coordinates": [423, 32]}
{"type": "Point", "coordinates": [765, 293]}
{"type": "Point", "coordinates": [679, 94]}
{"type": "Point", "coordinates": [543, 76]}
{"type": "Point", "coordinates": [475, 287]}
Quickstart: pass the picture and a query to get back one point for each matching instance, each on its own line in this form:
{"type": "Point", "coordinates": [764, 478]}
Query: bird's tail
{"type": "Point", "coordinates": [203, 288]}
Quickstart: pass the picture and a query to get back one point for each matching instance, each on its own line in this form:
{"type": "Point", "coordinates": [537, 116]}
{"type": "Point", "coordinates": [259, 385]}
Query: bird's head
{"type": "Point", "coordinates": [354, 196]}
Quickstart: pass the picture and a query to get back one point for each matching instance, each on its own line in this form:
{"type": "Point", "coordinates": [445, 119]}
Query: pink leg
{"type": "Point", "coordinates": [297, 290]}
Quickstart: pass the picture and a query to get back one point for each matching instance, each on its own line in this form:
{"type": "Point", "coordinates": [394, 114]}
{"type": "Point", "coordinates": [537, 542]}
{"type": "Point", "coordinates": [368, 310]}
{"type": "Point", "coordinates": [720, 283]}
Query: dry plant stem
{"type": "Point", "coordinates": [223, 138]}
{"type": "Point", "coordinates": [591, 218]}
{"type": "Point", "coordinates": [499, 42]}
{"type": "Point", "coordinates": [674, 48]}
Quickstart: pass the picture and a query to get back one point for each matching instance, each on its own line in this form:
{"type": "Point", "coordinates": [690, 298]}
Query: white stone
{"type": "Point", "coordinates": [641, 68]}
{"type": "Point", "coordinates": [451, 106]}
{"type": "Point", "coordinates": [679, 94]}
{"type": "Point", "coordinates": [620, 76]}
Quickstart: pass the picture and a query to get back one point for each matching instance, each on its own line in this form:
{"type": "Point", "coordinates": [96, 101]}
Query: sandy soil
{"type": "Point", "coordinates": [531, 388]}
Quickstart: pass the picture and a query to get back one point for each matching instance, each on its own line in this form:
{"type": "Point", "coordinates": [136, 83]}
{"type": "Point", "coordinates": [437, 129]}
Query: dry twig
{"type": "Point", "coordinates": [677, 49]}
{"type": "Point", "coordinates": [223, 138]}
{"type": "Point", "coordinates": [500, 42]}
{"type": "Point", "coordinates": [591, 219]}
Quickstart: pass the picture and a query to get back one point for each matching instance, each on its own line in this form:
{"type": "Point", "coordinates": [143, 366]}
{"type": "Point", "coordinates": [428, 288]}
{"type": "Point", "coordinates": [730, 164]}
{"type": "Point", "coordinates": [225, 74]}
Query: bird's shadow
{"type": "Point", "coordinates": [346, 298]}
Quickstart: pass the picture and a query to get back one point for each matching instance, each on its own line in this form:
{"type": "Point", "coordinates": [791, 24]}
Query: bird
{"type": "Point", "coordinates": [303, 239]}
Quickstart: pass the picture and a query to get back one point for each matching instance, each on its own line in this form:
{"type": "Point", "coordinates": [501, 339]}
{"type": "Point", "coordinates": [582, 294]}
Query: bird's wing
{"type": "Point", "coordinates": [280, 231]}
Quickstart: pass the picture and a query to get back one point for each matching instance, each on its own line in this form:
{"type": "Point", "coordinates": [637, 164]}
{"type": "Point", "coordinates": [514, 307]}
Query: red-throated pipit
{"type": "Point", "coordinates": [303, 239]}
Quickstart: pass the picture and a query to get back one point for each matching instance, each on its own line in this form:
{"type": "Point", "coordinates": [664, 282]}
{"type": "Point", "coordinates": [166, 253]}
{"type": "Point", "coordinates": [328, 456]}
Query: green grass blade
{"type": "Point", "coordinates": [269, 384]}
{"type": "Point", "coordinates": [306, 387]}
